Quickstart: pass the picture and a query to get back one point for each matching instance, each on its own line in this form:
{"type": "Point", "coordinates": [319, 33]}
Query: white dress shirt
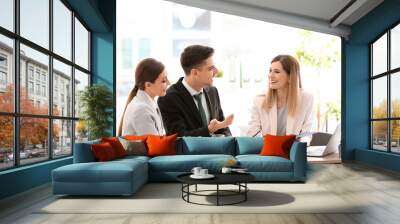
{"type": "Point", "coordinates": [203, 98]}
{"type": "Point", "coordinates": [142, 116]}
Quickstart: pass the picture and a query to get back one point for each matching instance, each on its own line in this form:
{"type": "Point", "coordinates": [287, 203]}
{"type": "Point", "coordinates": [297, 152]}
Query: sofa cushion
{"type": "Point", "coordinates": [206, 145]}
{"type": "Point", "coordinates": [257, 163]}
{"type": "Point", "coordinates": [130, 158]}
{"type": "Point", "coordinates": [111, 171]}
{"type": "Point", "coordinates": [248, 145]}
{"type": "Point", "coordinates": [185, 163]}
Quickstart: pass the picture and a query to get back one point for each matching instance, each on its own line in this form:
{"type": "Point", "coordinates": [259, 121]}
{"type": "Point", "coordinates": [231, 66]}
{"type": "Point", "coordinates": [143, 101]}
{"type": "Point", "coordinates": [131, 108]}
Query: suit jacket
{"type": "Point", "coordinates": [266, 122]}
{"type": "Point", "coordinates": [180, 113]}
{"type": "Point", "coordinates": [141, 117]}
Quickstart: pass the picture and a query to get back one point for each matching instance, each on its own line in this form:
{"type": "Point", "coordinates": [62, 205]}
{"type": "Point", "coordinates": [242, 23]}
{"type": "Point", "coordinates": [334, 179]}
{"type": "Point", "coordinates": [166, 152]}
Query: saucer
{"type": "Point", "coordinates": [208, 176]}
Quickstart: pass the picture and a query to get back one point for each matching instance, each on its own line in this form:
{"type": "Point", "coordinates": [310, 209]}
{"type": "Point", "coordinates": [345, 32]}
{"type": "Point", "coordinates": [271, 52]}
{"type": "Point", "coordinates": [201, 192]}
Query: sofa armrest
{"type": "Point", "coordinates": [298, 155]}
{"type": "Point", "coordinates": [83, 152]}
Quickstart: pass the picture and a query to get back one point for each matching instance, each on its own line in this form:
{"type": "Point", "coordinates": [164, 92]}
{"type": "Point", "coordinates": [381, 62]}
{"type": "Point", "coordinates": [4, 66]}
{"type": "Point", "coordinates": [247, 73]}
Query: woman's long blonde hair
{"type": "Point", "coordinates": [292, 68]}
{"type": "Point", "coordinates": [147, 70]}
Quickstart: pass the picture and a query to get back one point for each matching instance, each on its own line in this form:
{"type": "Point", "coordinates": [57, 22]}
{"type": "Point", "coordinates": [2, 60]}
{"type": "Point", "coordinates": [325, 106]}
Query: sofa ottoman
{"type": "Point", "coordinates": [119, 177]}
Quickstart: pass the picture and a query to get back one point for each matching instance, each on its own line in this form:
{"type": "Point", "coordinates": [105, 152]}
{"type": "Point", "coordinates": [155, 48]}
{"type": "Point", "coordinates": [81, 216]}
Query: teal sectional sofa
{"type": "Point", "coordinates": [125, 176]}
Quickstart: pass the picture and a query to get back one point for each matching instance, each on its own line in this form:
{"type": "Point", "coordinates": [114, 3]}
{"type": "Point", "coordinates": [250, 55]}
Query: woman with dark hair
{"type": "Point", "coordinates": [142, 115]}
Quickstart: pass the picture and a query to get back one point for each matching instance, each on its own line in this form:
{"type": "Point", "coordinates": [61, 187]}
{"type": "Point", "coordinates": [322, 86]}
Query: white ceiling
{"type": "Point", "coordinates": [320, 9]}
{"type": "Point", "coordinates": [316, 15]}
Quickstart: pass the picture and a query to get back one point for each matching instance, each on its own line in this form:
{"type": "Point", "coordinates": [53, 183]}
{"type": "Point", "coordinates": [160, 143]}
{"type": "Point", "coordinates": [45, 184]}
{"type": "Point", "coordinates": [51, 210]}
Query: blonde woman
{"type": "Point", "coordinates": [285, 108]}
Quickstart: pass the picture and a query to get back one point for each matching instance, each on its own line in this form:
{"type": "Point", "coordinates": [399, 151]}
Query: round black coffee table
{"type": "Point", "coordinates": [238, 179]}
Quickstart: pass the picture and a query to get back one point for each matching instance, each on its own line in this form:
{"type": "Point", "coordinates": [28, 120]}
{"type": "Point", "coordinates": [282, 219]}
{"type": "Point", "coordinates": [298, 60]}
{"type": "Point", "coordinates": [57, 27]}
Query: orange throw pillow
{"type": "Point", "coordinates": [277, 145]}
{"type": "Point", "coordinates": [116, 145]}
{"type": "Point", "coordinates": [135, 137]}
{"type": "Point", "coordinates": [103, 151]}
{"type": "Point", "coordinates": [161, 145]}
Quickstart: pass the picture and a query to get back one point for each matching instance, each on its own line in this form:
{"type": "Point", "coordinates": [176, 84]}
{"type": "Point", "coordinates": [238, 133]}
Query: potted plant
{"type": "Point", "coordinates": [96, 103]}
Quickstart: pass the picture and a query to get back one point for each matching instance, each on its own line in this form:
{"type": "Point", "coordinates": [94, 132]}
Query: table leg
{"type": "Point", "coordinates": [245, 191]}
{"type": "Point", "coordinates": [217, 194]}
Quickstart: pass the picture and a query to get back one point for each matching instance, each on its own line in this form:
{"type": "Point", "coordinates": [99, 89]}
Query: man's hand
{"type": "Point", "coordinates": [228, 121]}
{"type": "Point", "coordinates": [215, 125]}
{"type": "Point", "coordinates": [212, 126]}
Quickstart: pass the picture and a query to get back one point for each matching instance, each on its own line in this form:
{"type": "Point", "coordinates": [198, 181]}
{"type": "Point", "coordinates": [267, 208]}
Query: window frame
{"type": "Point", "coordinates": [388, 74]}
{"type": "Point", "coordinates": [15, 72]}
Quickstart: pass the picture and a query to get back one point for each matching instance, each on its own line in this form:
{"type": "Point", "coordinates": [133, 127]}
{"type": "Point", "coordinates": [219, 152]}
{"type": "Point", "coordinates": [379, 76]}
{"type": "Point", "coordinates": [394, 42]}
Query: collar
{"type": "Point", "coordinates": [143, 95]}
{"type": "Point", "coordinates": [190, 89]}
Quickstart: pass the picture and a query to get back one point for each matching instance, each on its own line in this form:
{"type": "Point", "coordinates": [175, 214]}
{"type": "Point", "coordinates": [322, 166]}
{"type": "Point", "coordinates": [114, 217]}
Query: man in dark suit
{"type": "Point", "coordinates": [191, 106]}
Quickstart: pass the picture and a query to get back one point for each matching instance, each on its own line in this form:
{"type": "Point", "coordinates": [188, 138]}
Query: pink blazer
{"type": "Point", "coordinates": [266, 122]}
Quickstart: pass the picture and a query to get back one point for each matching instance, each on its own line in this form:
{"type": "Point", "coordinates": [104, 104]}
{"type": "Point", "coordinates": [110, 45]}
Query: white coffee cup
{"type": "Point", "coordinates": [203, 172]}
{"type": "Point", "coordinates": [226, 170]}
{"type": "Point", "coordinates": [196, 170]}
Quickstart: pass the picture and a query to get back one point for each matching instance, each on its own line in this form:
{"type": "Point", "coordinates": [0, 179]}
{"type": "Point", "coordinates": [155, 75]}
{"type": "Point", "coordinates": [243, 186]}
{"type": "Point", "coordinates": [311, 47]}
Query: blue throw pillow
{"type": "Point", "coordinates": [249, 145]}
{"type": "Point", "coordinates": [83, 153]}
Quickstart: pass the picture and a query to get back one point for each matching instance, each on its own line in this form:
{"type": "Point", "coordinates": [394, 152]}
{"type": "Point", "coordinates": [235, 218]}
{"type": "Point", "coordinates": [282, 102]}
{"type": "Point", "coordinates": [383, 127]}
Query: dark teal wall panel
{"type": "Point", "coordinates": [357, 99]}
{"type": "Point", "coordinates": [102, 58]}
{"type": "Point", "coordinates": [376, 22]}
{"type": "Point", "coordinates": [103, 64]}
{"type": "Point", "coordinates": [89, 11]}
{"type": "Point", "coordinates": [24, 178]}
{"type": "Point", "coordinates": [356, 91]}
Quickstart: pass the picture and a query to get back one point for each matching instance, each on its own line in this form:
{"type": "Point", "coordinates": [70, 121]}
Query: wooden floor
{"type": "Point", "coordinates": [379, 190]}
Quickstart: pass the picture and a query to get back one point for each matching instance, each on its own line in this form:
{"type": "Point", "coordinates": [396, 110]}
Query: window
{"type": "Point", "coordinates": [30, 72]}
{"type": "Point", "coordinates": [81, 45]}
{"type": "Point", "coordinates": [385, 94]}
{"type": "Point", "coordinates": [30, 87]}
{"type": "Point", "coordinates": [44, 91]}
{"type": "Point", "coordinates": [43, 77]}
{"type": "Point", "coordinates": [37, 75]}
{"type": "Point", "coordinates": [38, 89]}
{"type": "Point", "coordinates": [6, 73]}
{"type": "Point", "coordinates": [3, 61]}
{"type": "Point", "coordinates": [7, 14]}
{"type": "Point", "coordinates": [62, 29]}
{"type": "Point", "coordinates": [53, 125]}
{"type": "Point", "coordinates": [62, 74]}
{"type": "Point", "coordinates": [34, 21]}
{"type": "Point", "coordinates": [3, 72]}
